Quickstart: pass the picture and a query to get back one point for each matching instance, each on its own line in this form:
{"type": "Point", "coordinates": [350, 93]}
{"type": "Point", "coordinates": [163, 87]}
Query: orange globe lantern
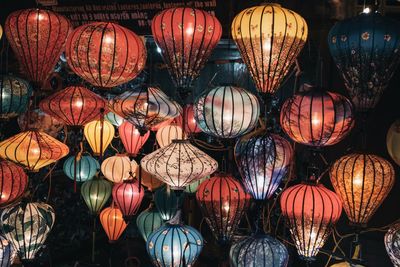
{"type": "Point", "coordinates": [13, 182]}
{"type": "Point", "coordinates": [118, 168]}
{"type": "Point", "coordinates": [166, 134]}
{"type": "Point", "coordinates": [191, 126]}
{"type": "Point", "coordinates": [113, 223]}
{"type": "Point", "coordinates": [99, 134]}
{"type": "Point", "coordinates": [131, 138]}
{"type": "Point", "coordinates": [128, 196]}
{"type": "Point", "coordinates": [105, 54]}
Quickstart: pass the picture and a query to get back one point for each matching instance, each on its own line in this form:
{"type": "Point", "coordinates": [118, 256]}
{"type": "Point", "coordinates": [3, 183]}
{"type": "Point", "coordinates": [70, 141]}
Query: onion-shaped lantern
{"type": "Point", "coordinates": [118, 168]}
{"type": "Point", "coordinates": [167, 202]}
{"type": "Point", "coordinates": [14, 96]}
{"type": "Point", "coordinates": [37, 119]}
{"type": "Point", "coordinates": [186, 37]}
{"type": "Point", "coordinates": [166, 134]}
{"type": "Point", "coordinates": [114, 119]}
{"type": "Point", "coordinates": [131, 138]}
{"type": "Point", "coordinates": [145, 106]}
{"type": "Point", "coordinates": [128, 196]}
{"type": "Point", "coordinates": [222, 200]}
{"type": "Point", "coordinates": [13, 182]}
{"type": "Point", "coordinates": [96, 192]}
{"type": "Point", "coordinates": [6, 252]}
{"type": "Point", "coordinates": [99, 134]}
{"type": "Point", "coordinates": [105, 54]}
{"type": "Point", "coordinates": [317, 118]}
{"type": "Point", "coordinates": [392, 244]}
{"type": "Point", "coordinates": [74, 105]}
{"type": "Point", "coordinates": [226, 111]}
{"type": "Point", "coordinates": [393, 141]}
{"type": "Point", "coordinates": [362, 182]}
{"type": "Point", "coordinates": [33, 149]}
{"type": "Point", "coordinates": [113, 223]}
{"type": "Point", "coordinates": [27, 226]}
{"type": "Point", "coordinates": [148, 221]}
{"type": "Point", "coordinates": [269, 39]}
{"type": "Point", "coordinates": [311, 210]}
{"type": "Point", "coordinates": [259, 250]}
{"type": "Point", "coordinates": [191, 126]}
{"type": "Point", "coordinates": [148, 180]}
{"type": "Point", "coordinates": [179, 164]}
{"type": "Point", "coordinates": [263, 160]}
{"type": "Point", "coordinates": [193, 186]}
{"type": "Point", "coordinates": [365, 49]}
{"type": "Point", "coordinates": [37, 37]}
{"type": "Point", "coordinates": [81, 169]}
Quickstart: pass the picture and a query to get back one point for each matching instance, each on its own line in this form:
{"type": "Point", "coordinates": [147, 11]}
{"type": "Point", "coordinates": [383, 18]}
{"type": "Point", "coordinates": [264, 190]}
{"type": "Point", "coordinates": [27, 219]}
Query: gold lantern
{"type": "Point", "coordinates": [393, 141]}
{"type": "Point", "coordinates": [118, 168]}
{"type": "Point", "coordinates": [167, 133]}
{"type": "Point", "coordinates": [99, 134]}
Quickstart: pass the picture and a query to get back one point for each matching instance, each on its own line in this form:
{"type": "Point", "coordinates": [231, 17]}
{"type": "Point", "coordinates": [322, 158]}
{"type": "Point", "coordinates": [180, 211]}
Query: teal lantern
{"type": "Point", "coordinates": [96, 192]}
{"type": "Point", "coordinates": [167, 202]}
{"type": "Point", "coordinates": [81, 170]}
{"type": "Point", "coordinates": [148, 221]}
{"type": "Point", "coordinates": [14, 96]}
{"type": "Point", "coordinates": [192, 187]}
{"type": "Point", "coordinates": [115, 119]}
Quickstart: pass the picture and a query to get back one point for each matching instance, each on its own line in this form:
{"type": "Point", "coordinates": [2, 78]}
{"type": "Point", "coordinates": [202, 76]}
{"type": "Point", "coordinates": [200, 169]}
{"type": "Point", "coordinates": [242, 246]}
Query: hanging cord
{"type": "Point", "coordinates": [101, 134]}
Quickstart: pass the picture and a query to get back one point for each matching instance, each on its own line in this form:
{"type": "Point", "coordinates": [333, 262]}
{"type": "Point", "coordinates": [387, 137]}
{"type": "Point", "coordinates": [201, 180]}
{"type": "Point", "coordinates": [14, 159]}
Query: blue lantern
{"type": "Point", "coordinates": [148, 221]}
{"type": "Point", "coordinates": [85, 169]}
{"type": "Point", "coordinates": [365, 48]}
{"type": "Point", "coordinates": [14, 96]}
{"type": "Point", "coordinates": [167, 202]}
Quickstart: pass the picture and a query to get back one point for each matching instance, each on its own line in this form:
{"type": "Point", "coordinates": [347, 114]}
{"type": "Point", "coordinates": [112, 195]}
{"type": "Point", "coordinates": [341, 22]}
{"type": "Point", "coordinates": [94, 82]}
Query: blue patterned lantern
{"type": "Point", "coordinates": [365, 48]}
{"type": "Point", "coordinates": [148, 221]}
{"type": "Point", "coordinates": [167, 202]}
{"type": "Point", "coordinates": [85, 169]}
{"type": "Point", "coordinates": [14, 96]}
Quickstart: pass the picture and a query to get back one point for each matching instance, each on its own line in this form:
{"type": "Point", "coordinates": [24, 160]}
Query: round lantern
{"type": "Point", "coordinates": [118, 168]}
{"type": "Point", "coordinates": [192, 187]}
{"type": "Point", "coordinates": [96, 192]}
{"type": "Point", "coordinates": [105, 54]}
{"type": "Point", "coordinates": [27, 226]}
{"type": "Point", "coordinates": [263, 160]}
{"type": "Point", "coordinates": [145, 106]}
{"type": "Point", "coordinates": [37, 119]}
{"type": "Point", "coordinates": [179, 164]}
{"type": "Point", "coordinates": [222, 200]}
{"type": "Point", "coordinates": [148, 221]}
{"type": "Point", "coordinates": [38, 38]}
{"type": "Point", "coordinates": [190, 122]}
{"type": "Point", "coordinates": [131, 138]}
{"type": "Point", "coordinates": [317, 118]}
{"type": "Point", "coordinates": [362, 181]}
{"type": "Point", "coordinates": [13, 182]}
{"type": "Point", "coordinates": [393, 141]}
{"type": "Point", "coordinates": [186, 37]}
{"type": "Point", "coordinates": [226, 111]}
{"type": "Point", "coordinates": [114, 119]}
{"type": "Point", "coordinates": [148, 180]}
{"type": "Point", "coordinates": [14, 96]}
{"type": "Point", "coordinates": [392, 244]}
{"type": "Point", "coordinates": [6, 252]}
{"type": "Point", "coordinates": [33, 149]}
{"type": "Point", "coordinates": [259, 250]}
{"type": "Point", "coordinates": [311, 210]}
{"type": "Point", "coordinates": [365, 49]}
{"type": "Point", "coordinates": [82, 168]}
{"type": "Point", "coordinates": [166, 134]}
{"type": "Point", "coordinates": [74, 105]}
{"type": "Point", "coordinates": [167, 202]}
{"type": "Point", "coordinates": [113, 223]}
{"type": "Point", "coordinates": [99, 134]}
{"type": "Point", "coordinates": [269, 39]}
{"type": "Point", "coordinates": [128, 196]}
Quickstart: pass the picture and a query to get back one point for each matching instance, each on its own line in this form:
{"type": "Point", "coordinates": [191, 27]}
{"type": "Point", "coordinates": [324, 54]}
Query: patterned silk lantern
{"type": "Point", "coordinates": [366, 51]}
{"type": "Point", "coordinates": [186, 37]}
{"type": "Point", "coordinates": [33, 149]}
{"type": "Point", "coordinates": [13, 182]}
{"type": "Point", "coordinates": [105, 54]}
{"type": "Point", "coordinates": [269, 39]}
{"type": "Point", "coordinates": [74, 105]}
{"type": "Point", "coordinates": [37, 37]}
{"type": "Point", "coordinates": [118, 168]}
{"type": "Point", "coordinates": [113, 223]}
{"type": "Point", "coordinates": [191, 126]}
{"type": "Point", "coordinates": [38, 120]}
{"type": "Point", "coordinates": [148, 221]}
{"type": "Point", "coordinates": [114, 119]}
{"type": "Point", "coordinates": [362, 182]}
{"type": "Point", "coordinates": [166, 134]}
{"type": "Point", "coordinates": [14, 96]}
{"type": "Point", "coordinates": [6, 252]}
{"type": "Point", "coordinates": [27, 226]}
{"type": "Point", "coordinates": [311, 210]}
{"type": "Point", "coordinates": [82, 168]}
{"type": "Point", "coordinates": [393, 141]}
{"type": "Point", "coordinates": [96, 192]}
{"type": "Point", "coordinates": [317, 118]}
{"type": "Point", "coordinates": [392, 244]}
{"type": "Point", "coordinates": [128, 196]}
{"type": "Point", "coordinates": [167, 202]}
{"type": "Point", "coordinates": [99, 134]}
{"type": "Point", "coordinates": [226, 111]}
{"type": "Point", "coordinates": [131, 138]}
{"type": "Point", "coordinates": [263, 160]}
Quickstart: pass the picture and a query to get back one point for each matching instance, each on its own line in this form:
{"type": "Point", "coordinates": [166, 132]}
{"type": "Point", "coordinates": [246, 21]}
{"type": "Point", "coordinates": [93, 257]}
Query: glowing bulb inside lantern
{"type": "Point", "coordinates": [94, 197]}
{"type": "Point", "coordinates": [78, 103]}
{"type": "Point", "coordinates": [108, 40]}
{"type": "Point", "coordinates": [357, 181]}
{"type": "Point", "coordinates": [267, 46]}
{"type": "Point", "coordinates": [189, 29]}
{"type": "Point", "coordinates": [315, 119]}
{"type": "Point", "coordinates": [40, 17]}
{"type": "Point", "coordinates": [226, 207]}
{"type": "Point", "coordinates": [367, 10]}
{"type": "Point", "coordinates": [35, 150]}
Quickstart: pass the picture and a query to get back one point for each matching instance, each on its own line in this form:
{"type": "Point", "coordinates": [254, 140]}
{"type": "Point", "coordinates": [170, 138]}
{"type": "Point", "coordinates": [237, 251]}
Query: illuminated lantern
{"type": "Point", "coordinates": [37, 37]}
{"type": "Point", "coordinates": [82, 168]}
{"type": "Point", "coordinates": [6, 252]}
{"type": "Point", "coordinates": [14, 96]}
{"type": "Point", "coordinates": [179, 164]}
{"type": "Point", "coordinates": [192, 187]}
{"type": "Point", "coordinates": [259, 250]}
{"type": "Point", "coordinates": [96, 192]}
{"type": "Point", "coordinates": [13, 182]}
{"type": "Point", "coordinates": [263, 160]}
{"type": "Point", "coordinates": [166, 134]}
{"type": "Point", "coordinates": [167, 202]}
{"type": "Point", "coordinates": [317, 118]}
{"type": "Point", "coordinates": [392, 244]}
{"type": "Point", "coordinates": [128, 196]}
{"type": "Point", "coordinates": [40, 121]}
{"type": "Point", "coordinates": [26, 226]}
{"type": "Point", "coordinates": [269, 39]}
{"type": "Point", "coordinates": [99, 134]}
{"type": "Point", "coordinates": [226, 111]}
{"type": "Point", "coordinates": [362, 182]}
{"type": "Point", "coordinates": [365, 49]}
{"type": "Point", "coordinates": [74, 105]}
{"type": "Point", "coordinates": [105, 54]}
{"type": "Point", "coordinates": [113, 223]}
{"type": "Point", "coordinates": [1, 32]}
{"type": "Point", "coordinates": [33, 149]}
{"type": "Point", "coordinates": [114, 119]}
{"type": "Point", "coordinates": [131, 138]}
{"type": "Point", "coordinates": [186, 37]}
{"type": "Point", "coordinates": [145, 106]}
{"type": "Point", "coordinates": [162, 124]}
{"type": "Point", "coordinates": [118, 168]}
{"type": "Point", "coordinates": [393, 141]}
{"type": "Point", "coordinates": [148, 180]}
{"type": "Point", "coordinates": [190, 122]}
{"type": "Point", "coordinates": [148, 221]}
{"type": "Point", "coordinates": [222, 200]}
{"type": "Point", "coordinates": [311, 210]}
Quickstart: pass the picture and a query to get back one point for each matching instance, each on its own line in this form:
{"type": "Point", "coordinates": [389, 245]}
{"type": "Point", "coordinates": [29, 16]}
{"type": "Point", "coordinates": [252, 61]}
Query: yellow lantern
{"type": "Point", "coordinates": [1, 32]}
{"type": "Point", "coordinates": [118, 168]}
{"type": "Point", "coordinates": [269, 39]}
{"type": "Point", "coordinates": [393, 141]}
{"type": "Point", "coordinates": [99, 134]}
{"type": "Point", "coordinates": [167, 133]}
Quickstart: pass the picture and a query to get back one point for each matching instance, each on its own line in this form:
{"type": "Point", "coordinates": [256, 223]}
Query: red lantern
{"type": "Point", "coordinates": [131, 138]}
{"type": "Point", "coordinates": [128, 196]}
{"type": "Point", "coordinates": [186, 37]}
{"type": "Point", "coordinates": [190, 122]}
{"type": "Point", "coordinates": [13, 182]}
{"type": "Point", "coordinates": [113, 223]}
{"type": "Point", "coordinates": [37, 38]}
{"type": "Point", "coordinates": [105, 54]}
{"type": "Point", "coordinates": [75, 105]}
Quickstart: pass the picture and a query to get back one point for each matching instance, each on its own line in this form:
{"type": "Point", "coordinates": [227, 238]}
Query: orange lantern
{"type": "Point", "coordinates": [190, 122]}
{"type": "Point", "coordinates": [113, 223]}
{"type": "Point", "coordinates": [162, 124]}
{"type": "Point", "coordinates": [118, 168]}
{"type": "Point", "coordinates": [99, 134]}
{"type": "Point", "coordinates": [13, 182]}
{"type": "Point", "coordinates": [166, 134]}
{"type": "Point", "coordinates": [131, 138]}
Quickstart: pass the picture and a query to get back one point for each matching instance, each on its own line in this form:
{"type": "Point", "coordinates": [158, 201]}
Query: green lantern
{"type": "Point", "coordinates": [148, 221]}
{"type": "Point", "coordinates": [167, 202]}
{"type": "Point", "coordinates": [192, 187]}
{"type": "Point", "coordinates": [96, 192]}
{"type": "Point", "coordinates": [83, 169]}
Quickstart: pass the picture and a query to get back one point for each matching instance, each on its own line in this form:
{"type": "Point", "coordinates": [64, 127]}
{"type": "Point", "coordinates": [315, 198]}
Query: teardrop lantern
{"type": "Point", "coordinates": [128, 196]}
{"type": "Point", "coordinates": [37, 119]}
{"type": "Point", "coordinates": [148, 221]}
{"type": "Point", "coordinates": [118, 168]}
{"type": "Point", "coordinates": [392, 244]}
{"type": "Point", "coordinates": [81, 168]}
{"type": "Point", "coordinates": [13, 182]}
{"type": "Point", "coordinates": [113, 223]}
{"type": "Point", "coordinates": [166, 134]}
{"type": "Point", "coordinates": [15, 94]}
{"type": "Point", "coordinates": [191, 126]}
{"type": "Point", "coordinates": [99, 134]}
{"type": "Point", "coordinates": [131, 138]}
{"type": "Point", "coordinates": [167, 202]}
{"type": "Point", "coordinates": [393, 141]}
{"type": "Point", "coordinates": [96, 193]}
